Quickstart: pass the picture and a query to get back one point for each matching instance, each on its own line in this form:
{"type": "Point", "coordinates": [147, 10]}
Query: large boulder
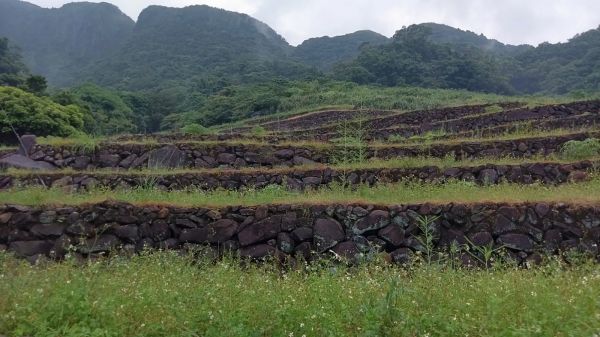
{"type": "Point", "coordinates": [375, 220]}
{"type": "Point", "coordinates": [218, 232]}
{"type": "Point", "coordinates": [326, 234]}
{"type": "Point", "coordinates": [22, 162]}
{"type": "Point", "coordinates": [260, 231]}
{"type": "Point", "coordinates": [30, 248]}
{"type": "Point", "coordinates": [166, 157]}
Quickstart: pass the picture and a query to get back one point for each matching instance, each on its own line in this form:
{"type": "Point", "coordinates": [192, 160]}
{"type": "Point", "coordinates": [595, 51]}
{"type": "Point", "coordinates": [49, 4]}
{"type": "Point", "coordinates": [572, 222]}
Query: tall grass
{"type": "Point", "coordinates": [164, 294]}
{"type": "Point", "coordinates": [399, 193]}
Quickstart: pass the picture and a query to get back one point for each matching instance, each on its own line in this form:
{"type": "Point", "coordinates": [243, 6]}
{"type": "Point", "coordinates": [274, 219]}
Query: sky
{"type": "Point", "coordinates": [509, 21]}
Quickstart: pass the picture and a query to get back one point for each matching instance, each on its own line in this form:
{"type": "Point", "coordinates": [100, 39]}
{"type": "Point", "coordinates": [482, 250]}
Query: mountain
{"type": "Point", "coordinates": [324, 52]}
{"type": "Point", "coordinates": [194, 45]}
{"type": "Point", "coordinates": [59, 42]}
{"type": "Point", "coordinates": [412, 59]}
{"type": "Point", "coordinates": [445, 34]}
{"type": "Point", "coordinates": [562, 67]}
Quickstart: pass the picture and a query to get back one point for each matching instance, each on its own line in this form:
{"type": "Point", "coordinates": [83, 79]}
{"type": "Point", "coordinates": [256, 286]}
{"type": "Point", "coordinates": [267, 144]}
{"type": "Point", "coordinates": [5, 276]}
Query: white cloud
{"type": "Point", "coordinates": [510, 21]}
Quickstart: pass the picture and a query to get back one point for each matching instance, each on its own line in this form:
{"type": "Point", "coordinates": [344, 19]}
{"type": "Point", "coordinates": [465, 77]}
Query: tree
{"type": "Point", "coordinates": [29, 113]}
{"type": "Point", "coordinates": [36, 84]}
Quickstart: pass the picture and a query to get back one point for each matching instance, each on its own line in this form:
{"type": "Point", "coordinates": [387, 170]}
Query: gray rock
{"type": "Point", "coordinates": [302, 234]}
{"type": "Point", "coordinates": [286, 154]}
{"type": "Point", "coordinates": [127, 162]}
{"type": "Point", "coordinates": [517, 242]}
{"type": "Point", "coordinates": [45, 230]}
{"type": "Point", "coordinates": [258, 251]}
{"type": "Point", "coordinates": [297, 160]}
{"type": "Point", "coordinates": [101, 244]}
{"type": "Point", "coordinates": [260, 231]}
{"type": "Point", "coordinates": [47, 217]}
{"type": "Point", "coordinates": [326, 234]}
{"type": "Point", "coordinates": [402, 255]}
{"type": "Point", "coordinates": [30, 248]}
{"type": "Point", "coordinates": [488, 176]}
{"type": "Point", "coordinates": [313, 181]}
{"type": "Point", "coordinates": [375, 220]}
{"type": "Point", "coordinates": [347, 250]}
{"type": "Point", "coordinates": [393, 234]}
{"type": "Point", "coordinates": [482, 239]}
{"type": "Point", "coordinates": [218, 232]}
{"type": "Point", "coordinates": [63, 182]}
{"type": "Point", "coordinates": [128, 233]}
{"type": "Point", "coordinates": [285, 243]}
{"type": "Point", "coordinates": [27, 146]}
{"type": "Point", "coordinates": [22, 162]}
{"type": "Point", "coordinates": [226, 158]}
{"type": "Point", "coordinates": [158, 230]}
{"type": "Point", "coordinates": [166, 157]}
{"type": "Point", "coordinates": [81, 162]}
{"type": "Point", "coordinates": [108, 160]}
{"type": "Point", "coordinates": [503, 225]}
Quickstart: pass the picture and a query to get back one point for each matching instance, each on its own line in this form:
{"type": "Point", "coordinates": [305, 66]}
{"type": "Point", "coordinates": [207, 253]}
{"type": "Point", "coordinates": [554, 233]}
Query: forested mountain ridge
{"type": "Point", "coordinates": [197, 51]}
{"type": "Point", "coordinates": [324, 52]}
{"type": "Point", "coordinates": [196, 44]}
{"type": "Point", "coordinates": [58, 43]}
{"type": "Point", "coordinates": [449, 35]}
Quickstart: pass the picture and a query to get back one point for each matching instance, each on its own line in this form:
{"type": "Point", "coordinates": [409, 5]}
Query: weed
{"type": "Point", "coordinates": [427, 226]}
{"type": "Point", "coordinates": [580, 150]}
{"type": "Point", "coordinates": [195, 129]}
{"type": "Point", "coordinates": [258, 131]}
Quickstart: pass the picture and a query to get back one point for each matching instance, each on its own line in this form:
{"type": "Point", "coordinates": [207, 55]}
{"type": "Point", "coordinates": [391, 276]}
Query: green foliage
{"type": "Point", "coordinates": [36, 84]}
{"type": "Point", "coordinates": [38, 115]}
{"type": "Point", "coordinates": [580, 150]}
{"type": "Point", "coordinates": [108, 112]}
{"type": "Point", "coordinates": [195, 129]}
{"type": "Point", "coordinates": [258, 131]}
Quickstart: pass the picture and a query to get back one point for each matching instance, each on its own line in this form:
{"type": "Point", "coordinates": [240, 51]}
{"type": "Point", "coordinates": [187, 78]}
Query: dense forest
{"type": "Point", "coordinates": [107, 74]}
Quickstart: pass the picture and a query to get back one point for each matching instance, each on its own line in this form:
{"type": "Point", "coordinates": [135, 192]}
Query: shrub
{"type": "Point", "coordinates": [580, 150]}
{"type": "Point", "coordinates": [259, 131]}
{"type": "Point", "coordinates": [28, 113]}
{"type": "Point", "coordinates": [195, 129]}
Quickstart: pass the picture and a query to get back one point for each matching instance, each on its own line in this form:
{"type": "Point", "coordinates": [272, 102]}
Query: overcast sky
{"type": "Point", "coordinates": [510, 21]}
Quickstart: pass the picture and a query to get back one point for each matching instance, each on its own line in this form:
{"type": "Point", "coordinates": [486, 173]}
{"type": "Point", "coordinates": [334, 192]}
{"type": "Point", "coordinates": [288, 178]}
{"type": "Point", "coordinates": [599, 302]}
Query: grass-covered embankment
{"type": "Point", "coordinates": [164, 294]}
{"type": "Point", "coordinates": [400, 193]}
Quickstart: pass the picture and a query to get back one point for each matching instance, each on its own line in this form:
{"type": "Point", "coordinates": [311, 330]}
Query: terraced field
{"type": "Point", "coordinates": [485, 186]}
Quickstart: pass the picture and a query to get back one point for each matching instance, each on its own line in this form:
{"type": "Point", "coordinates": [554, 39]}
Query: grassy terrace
{"type": "Point", "coordinates": [375, 164]}
{"type": "Point", "coordinates": [164, 294]}
{"type": "Point", "coordinates": [92, 143]}
{"type": "Point", "coordinates": [398, 193]}
{"type": "Point", "coordinates": [399, 99]}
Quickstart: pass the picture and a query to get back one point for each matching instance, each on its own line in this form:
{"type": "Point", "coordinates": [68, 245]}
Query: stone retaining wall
{"type": "Point", "coordinates": [382, 128]}
{"type": "Point", "coordinates": [226, 156]}
{"type": "Point", "coordinates": [548, 173]}
{"type": "Point", "coordinates": [352, 231]}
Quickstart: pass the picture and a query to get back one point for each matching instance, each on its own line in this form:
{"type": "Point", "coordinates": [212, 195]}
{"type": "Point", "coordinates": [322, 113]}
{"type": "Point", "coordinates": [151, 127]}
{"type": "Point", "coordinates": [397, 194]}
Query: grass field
{"type": "Point", "coordinates": [407, 192]}
{"type": "Point", "coordinates": [163, 294]}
